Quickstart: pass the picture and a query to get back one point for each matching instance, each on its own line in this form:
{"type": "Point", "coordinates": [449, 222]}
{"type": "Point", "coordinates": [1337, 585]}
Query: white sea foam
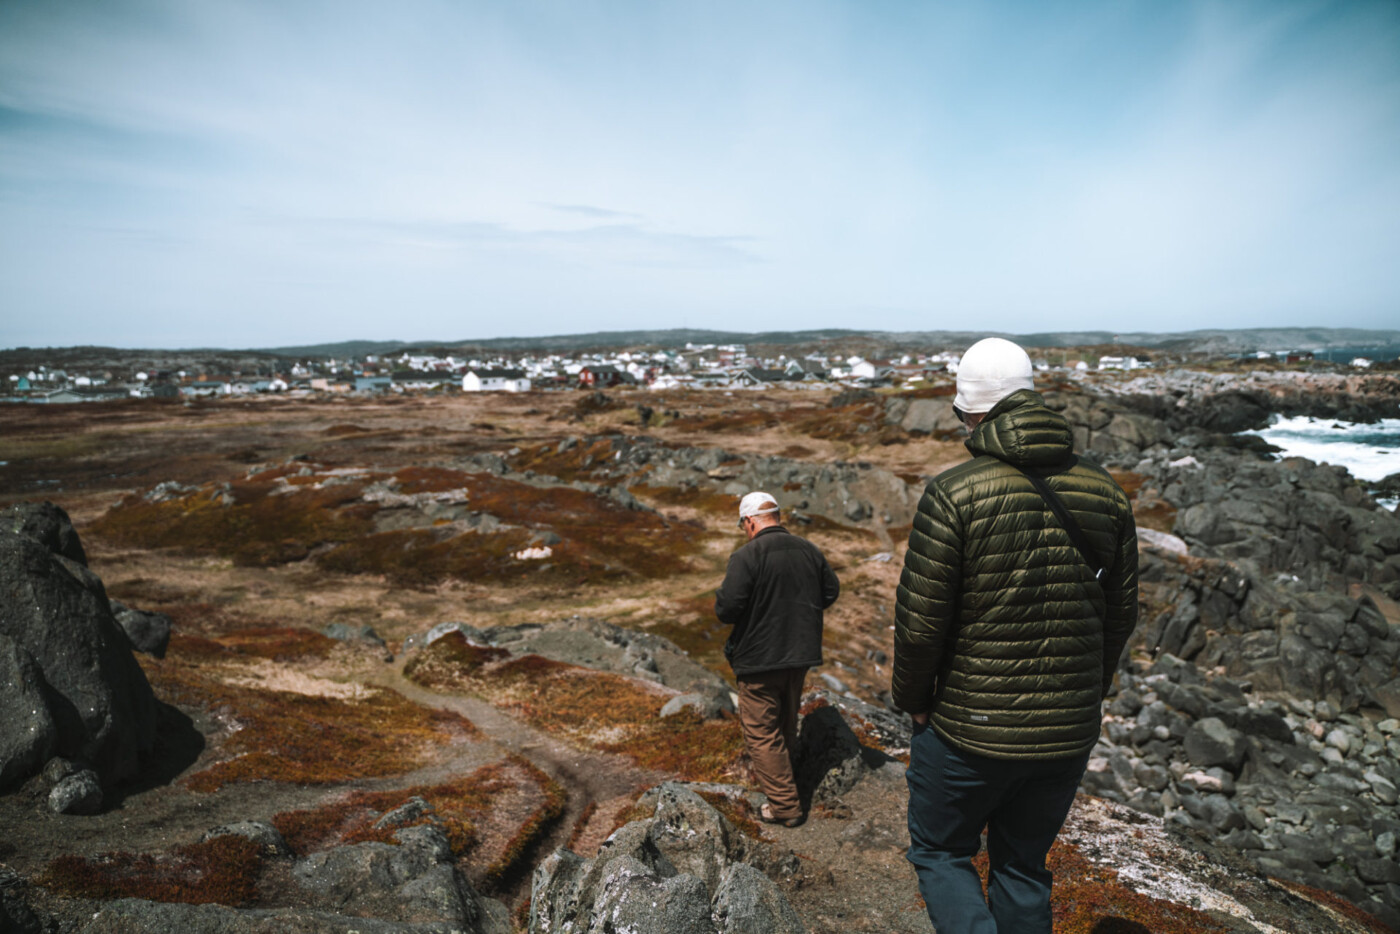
{"type": "Point", "coordinates": [1370, 452]}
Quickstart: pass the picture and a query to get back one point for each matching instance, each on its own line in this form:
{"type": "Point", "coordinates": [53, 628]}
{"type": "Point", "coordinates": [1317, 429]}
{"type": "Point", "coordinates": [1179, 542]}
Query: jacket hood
{"type": "Point", "coordinates": [1022, 431]}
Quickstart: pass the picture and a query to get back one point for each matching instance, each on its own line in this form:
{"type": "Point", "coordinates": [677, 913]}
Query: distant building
{"type": "Point", "coordinates": [483, 380]}
{"type": "Point", "coordinates": [602, 376]}
{"type": "Point", "coordinates": [373, 383]}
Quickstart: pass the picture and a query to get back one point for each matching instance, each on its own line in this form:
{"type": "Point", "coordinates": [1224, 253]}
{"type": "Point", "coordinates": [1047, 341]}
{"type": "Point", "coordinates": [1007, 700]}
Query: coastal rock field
{"type": "Point", "coordinates": [448, 662]}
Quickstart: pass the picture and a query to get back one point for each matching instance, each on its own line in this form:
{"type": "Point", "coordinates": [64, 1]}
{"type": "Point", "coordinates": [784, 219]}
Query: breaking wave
{"type": "Point", "coordinates": [1370, 452]}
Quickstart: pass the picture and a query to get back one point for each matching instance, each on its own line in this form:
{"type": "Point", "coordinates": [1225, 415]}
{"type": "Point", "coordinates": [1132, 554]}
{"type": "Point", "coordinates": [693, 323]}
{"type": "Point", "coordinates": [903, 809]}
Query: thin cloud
{"type": "Point", "coordinates": [588, 210]}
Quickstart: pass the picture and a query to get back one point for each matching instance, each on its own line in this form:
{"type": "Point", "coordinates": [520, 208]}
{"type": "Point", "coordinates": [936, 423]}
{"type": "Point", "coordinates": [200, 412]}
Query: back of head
{"type": "Point", "coordinates": [991, 370]}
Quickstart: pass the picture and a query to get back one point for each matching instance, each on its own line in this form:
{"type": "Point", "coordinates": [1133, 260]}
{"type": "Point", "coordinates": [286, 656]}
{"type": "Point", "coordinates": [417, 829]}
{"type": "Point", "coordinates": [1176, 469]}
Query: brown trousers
{"type": "Point", "coordinates": [768, 703]}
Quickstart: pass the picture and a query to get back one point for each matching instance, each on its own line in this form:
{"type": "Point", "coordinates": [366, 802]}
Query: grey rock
{"type": "Point", "coordinates": [47, 524]}
{"type": "Point", "coordinates": [260, 832]}
{"type": "Point", "coordinates": [345, 632]}
{"type": "Point", "coordinates": [414, 881]}
{"type": "Point", "coordinates": [708, 706]}
{"type": "Point", "coordinates": [1377, 871]}
{"type": "Point", "coordinates": [657, 874]}
{"type": "Point", "coordinates": [57, 612]}
{"type": "Point", "coordinates": [147, 632]}
{"type": "Point", "coordinates": [747, 902]}
{"type": "Point", "coordinates": [27, 731]}
{"type": "Point", "coordinates": [414, 809]}
{"type": "Point", "coordinates": [633, 900]}
{"type": "Point", "coordinates": [1210, 742]}
{"type": "Point", "coordinates": [79, 793]}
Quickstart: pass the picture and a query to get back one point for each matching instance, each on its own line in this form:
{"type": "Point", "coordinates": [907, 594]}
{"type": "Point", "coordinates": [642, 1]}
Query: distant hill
{"type": "Point", "coordinates": [1203, 341]}
{"type": "Point", "coordinates": [1382, 343]}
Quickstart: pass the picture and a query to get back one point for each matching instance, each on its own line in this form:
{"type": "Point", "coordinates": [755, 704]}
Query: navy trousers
{"type": "Point", "coordinates": [954, 794]}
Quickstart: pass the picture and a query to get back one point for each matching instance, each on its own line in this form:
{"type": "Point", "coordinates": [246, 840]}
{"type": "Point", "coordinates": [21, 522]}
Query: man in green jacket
{"type": "Point", "coordinates": [1009, 623]}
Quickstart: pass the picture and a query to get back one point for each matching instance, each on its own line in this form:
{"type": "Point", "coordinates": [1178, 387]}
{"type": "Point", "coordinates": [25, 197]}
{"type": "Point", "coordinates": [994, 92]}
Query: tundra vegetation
{"type": "Point", "coordinates": [466, 631]}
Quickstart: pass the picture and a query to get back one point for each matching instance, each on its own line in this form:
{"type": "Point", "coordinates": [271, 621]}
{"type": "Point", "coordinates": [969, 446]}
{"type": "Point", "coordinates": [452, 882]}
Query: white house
{"type": "Point", "coordinates": [482, 380]}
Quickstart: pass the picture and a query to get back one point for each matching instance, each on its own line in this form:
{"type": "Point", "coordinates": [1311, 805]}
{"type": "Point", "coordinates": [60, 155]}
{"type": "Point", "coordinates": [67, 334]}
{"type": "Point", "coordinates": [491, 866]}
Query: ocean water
{"type": "Point", "coordinates": [1370, 452]}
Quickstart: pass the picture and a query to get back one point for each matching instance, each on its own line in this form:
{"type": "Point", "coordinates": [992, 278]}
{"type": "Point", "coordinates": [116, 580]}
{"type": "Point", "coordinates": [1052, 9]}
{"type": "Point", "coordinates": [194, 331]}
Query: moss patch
{"type": "Point", "coordinates": [224, 870]}
{"type": "Point", "coordinates": [300, 738]}
{"type": "Point", "coordinates": [596, 709]}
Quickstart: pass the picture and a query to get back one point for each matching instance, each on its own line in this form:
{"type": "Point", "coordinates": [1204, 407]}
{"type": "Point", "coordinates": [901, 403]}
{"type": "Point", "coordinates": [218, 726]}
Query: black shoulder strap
{"type": "Point", "coordinates": [1076, 534]}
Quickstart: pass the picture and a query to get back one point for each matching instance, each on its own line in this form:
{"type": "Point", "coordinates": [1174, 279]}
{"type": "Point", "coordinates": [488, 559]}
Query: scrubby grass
{"type": "Point", "coordinates": [291, 737]}
{"type": "Point", "coordinates": [457, 806]}
{"type": "Point", "coordinates": [1089, 899]}
{"type": "Point", "coordinates": [514, 855]}
{"type": "Point", "coordinates": [738, 811]}
{"type": "Point", "coordinates": [224, 870]}
{"type": "Point", "coordinates": [1150, 511]}
{"type": "Point", "coordinates": [257, 529]}
{"type": "Point", "coordinates": [600, 710]}
{"type": "Point", "coordinates": [277, 516]}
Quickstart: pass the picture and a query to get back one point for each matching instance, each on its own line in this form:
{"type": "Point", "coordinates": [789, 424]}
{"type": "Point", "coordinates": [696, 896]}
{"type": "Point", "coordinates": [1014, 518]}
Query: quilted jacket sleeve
{"type": "Point", "coordinates": [926, 604]}
{"type": "Point", "coordinates": [1120, 594]}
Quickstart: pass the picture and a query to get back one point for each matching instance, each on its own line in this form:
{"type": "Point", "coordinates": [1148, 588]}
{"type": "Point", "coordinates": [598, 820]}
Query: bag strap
{"type": "Point", "coordinates": [1076, 534]}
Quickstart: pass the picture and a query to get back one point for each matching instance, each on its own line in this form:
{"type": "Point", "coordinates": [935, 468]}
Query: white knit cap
{"type": "Point", "coordinates": [757, 503]}
{"type": "Point", "coordinates": [991, 370]}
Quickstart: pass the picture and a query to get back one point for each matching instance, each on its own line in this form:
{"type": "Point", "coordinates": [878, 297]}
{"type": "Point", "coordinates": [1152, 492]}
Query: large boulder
{"type": "Point", "coordinates": [686, 870]}
{"type": "Point", "coordinates": [55, 611]}
{"type": "Point", "coordinates": [46, 523]}
{"type": "Point", "coordinates": [27, 732]}
{"type": "Point", "coordinates": [415, 881]}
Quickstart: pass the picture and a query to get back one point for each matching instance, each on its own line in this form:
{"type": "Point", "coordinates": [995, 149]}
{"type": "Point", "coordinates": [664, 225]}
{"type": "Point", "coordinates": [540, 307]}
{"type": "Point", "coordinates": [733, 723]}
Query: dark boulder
{"type": "Point", "coordinates": [148, 632]}
{"type": "Point", "coordinates": [47, 524]}
{"type": "Point", "coordinates": [27, 731]}
{"type": "Point", "coordinates": [56, 610]}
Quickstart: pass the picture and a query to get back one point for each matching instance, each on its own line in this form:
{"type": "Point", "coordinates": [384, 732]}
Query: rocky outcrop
{"type": "Point", "coordinates": [842, 492]}
{"type": "Point", "coordinates": [1312, 522]}
{"type": "Point", "coordinates": [1235, 401]}
{"type": "Point", "coordinates": [414, 881]}
{"type": "Point", "coordinates": [593, 643]}
{"type": "Point", "coordinates": [57, 634]}
{"type": "Point", "coordinates": [685, 870]}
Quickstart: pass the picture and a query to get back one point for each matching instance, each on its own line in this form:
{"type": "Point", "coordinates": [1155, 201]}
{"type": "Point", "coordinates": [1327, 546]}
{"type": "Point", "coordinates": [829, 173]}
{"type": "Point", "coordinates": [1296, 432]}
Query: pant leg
{"type": "Point", "coordinates": [761, 704]}
{"type": "Point", "coordinates": [950, 796]}
{"type": "Point", "coordinates": [792, 703]}
{"type": "Point", "coordinates": [1020, 832]}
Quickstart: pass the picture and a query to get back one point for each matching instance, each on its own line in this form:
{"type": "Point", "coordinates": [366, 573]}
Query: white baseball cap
{"type": "Point", "coordinates": [991, 370]}
{"type": "Point", "coordinates": [757, 503]}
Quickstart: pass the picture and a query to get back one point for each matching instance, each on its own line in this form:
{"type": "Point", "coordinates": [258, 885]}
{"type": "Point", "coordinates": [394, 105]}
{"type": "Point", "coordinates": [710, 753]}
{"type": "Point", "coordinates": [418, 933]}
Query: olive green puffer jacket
{"type": "Point", "coordinates": [1001, 631]}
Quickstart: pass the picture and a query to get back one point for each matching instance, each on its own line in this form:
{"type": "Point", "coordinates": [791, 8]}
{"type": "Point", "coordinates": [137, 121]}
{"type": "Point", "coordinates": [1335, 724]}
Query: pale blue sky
{"type": "Point", "coordinates": [188, 172]}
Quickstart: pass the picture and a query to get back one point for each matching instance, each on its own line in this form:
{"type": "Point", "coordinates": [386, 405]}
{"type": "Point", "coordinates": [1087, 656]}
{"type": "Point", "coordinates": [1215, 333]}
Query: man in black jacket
{"type": "Point", "coordinates": [773, 594]}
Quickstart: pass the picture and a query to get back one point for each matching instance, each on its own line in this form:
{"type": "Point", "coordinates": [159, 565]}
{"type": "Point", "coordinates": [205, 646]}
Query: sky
{"type": "Point", "coordinates": [259, 173]}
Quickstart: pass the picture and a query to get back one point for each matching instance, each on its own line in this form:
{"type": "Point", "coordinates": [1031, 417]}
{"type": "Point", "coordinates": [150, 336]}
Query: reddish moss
{"type": "Point", "coordinates": [257, 529]}
{"type": "Point", "coordinates": [458, 807]}
{"type": "Point", "coordinates": [704, 500]}
{"type": "Point", "coordinates": [279, 643]}
{"type": "Point", "coordinates": [518, 848]}
{"type": "Point", "coordinates": [739, 812]}
{"type": "Point", "coordinates": [598, 709]}
{"type": "Point", "coordinates": [300, 738]}
{"type": "Point", "coordinates": [430, 479]}
{"type": "Point", "coordinates": [1338, 904]}
{"type": "Point", "coordinates": [1089, 899]}
{"type": "Point", "coordinates": [581, 824]}
{"type": "Point", "coordinates": [224, 870]}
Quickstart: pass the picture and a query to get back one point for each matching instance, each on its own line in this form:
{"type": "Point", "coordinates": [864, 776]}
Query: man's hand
{"type": "Point", "coordinates": [919, 718]}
